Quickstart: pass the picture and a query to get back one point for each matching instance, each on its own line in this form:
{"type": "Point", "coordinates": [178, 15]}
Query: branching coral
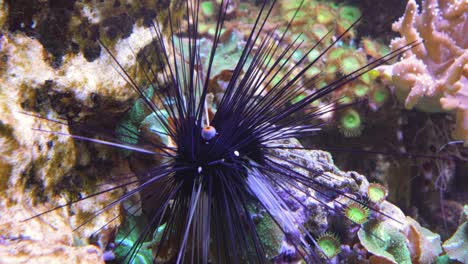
{"type": "Point", "coordinates": [433, 76]}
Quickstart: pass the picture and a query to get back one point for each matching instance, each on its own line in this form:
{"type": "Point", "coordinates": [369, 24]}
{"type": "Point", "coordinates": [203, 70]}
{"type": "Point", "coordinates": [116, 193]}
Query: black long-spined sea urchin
{"type": "Point", "coordinates": [216, 165]}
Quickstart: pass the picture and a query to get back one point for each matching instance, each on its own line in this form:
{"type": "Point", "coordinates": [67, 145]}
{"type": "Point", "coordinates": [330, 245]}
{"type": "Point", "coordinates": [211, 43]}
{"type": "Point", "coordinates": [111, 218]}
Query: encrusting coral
{"type": "Point", "coordinates": [433, 76]}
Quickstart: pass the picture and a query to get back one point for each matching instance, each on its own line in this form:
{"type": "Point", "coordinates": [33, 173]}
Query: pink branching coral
{"type": "Point", "coordinates": [433, 76]}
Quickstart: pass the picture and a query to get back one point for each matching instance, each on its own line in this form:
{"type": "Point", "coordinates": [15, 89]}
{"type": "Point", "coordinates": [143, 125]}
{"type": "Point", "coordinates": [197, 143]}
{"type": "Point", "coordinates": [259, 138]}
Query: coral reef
{"type": "Point", "coordinates": [68, 77]}
{"type": "Point", "coordinates": [433, 76]}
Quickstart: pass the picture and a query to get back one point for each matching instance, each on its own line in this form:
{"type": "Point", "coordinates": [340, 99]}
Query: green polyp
{"type": "Point", "coordinates": [350, 64]}
{"type": "Point", "coordinates": [380, 96]}
{"type": "Point", "coordinates": [203, 28]}
{"type": "Point", "coordinates": [376, 192]}
{"type": "Point", "coordinates": [299, 15]}
{"type": "Point", "coordinates": [345, 100]}
{"type": "Point", "coordinates": [350, 123]}
{"type": "Point", "coordinates": [329, 245]}
{"type": "Point", "coordinates": [345, 23]}
{"type": "Point", "coordinates": [212, 31]}
{"type": "Point", "coordinates": [321, 84]}
{"type": "Point", "coordinates": [312, 71]}
{"type": "Point", "coordinates": [292, 5]}
{"type": "Point", "coordinates": [207, 8]}
{"type": "Point", "coordinates": [297, 55]}
{"type": "Point", "coordinates": [298, 98]}
{"type": "Point", "coordinates": [158, 233]}
{"type": "Point", "coordinates": [138, 113]}
{"type": "Point", "coordinates": [276, 79]}
{"type": "Point", "coordinates": [374, 74]}
{"type": "Point", "coordinates": [351, 120]}
{"type": "Point", "coordinates": [361, 90]}
{"type": "Point", "coordinates": [302, 37]}
{"type": "Point", "coordinates": [369, 45]}
{"type": "Point", "coordinates": [331, 69]}
{"type": "Point", "coordinates": [314, 54]}
{"type": "Point", "coordinates": [357, 213]}
{"type": "Point", "coordinates": [315, 103]}
{"type": "Point", "coordinates": [227, 54]}
{"type": "Point", "coordinates": [366, 78]}
{"type": "Point", "coordinates": [319, 30]}
{"type": "Point", "coordinates": [325, 16]}
{"type": "Point", "coordinates": [350, 13]}
{"type": "Point", "coordinates": [336, 53]}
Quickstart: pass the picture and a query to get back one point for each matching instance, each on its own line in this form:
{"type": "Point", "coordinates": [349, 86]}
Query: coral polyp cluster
{"type": "Point", "coordinates": [315, 21]}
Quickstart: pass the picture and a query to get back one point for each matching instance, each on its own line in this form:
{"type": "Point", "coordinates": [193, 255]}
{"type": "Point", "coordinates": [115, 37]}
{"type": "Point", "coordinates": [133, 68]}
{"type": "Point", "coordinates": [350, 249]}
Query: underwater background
{"type": "Point", "coordinates": [403, 145]}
